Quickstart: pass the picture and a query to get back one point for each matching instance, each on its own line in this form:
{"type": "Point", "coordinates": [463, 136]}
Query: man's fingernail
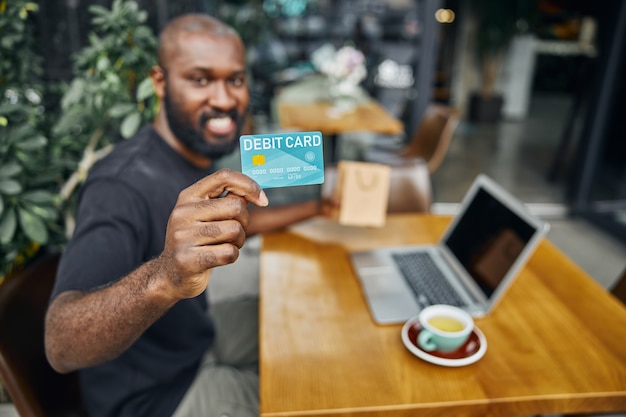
{"type": "Point", "coordinates": [263, 199]}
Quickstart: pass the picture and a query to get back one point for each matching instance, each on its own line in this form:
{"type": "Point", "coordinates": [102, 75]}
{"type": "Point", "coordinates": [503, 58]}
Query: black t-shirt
{"type": "Point", "coordinates": [122, 217]}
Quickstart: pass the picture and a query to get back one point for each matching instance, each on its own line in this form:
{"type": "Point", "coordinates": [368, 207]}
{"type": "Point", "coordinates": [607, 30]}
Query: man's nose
{"type": "Point", "coordinates": [220, 97]}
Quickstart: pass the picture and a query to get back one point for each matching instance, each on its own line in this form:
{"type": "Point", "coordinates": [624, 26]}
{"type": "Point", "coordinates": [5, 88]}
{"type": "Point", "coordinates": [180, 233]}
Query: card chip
{"type": "Point", "coordinates": [258, 159]}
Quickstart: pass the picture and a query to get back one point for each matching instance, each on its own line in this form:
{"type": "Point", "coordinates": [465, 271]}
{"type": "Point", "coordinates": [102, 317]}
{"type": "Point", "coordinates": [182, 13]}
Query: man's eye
{"type": "Point", "coordinates": [238, 82]}
{"type": "Point", "coordinates": [200, 80]}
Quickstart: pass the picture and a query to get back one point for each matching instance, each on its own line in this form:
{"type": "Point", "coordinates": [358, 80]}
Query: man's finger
{"type": "Point", "coordinates": [212, 233]}
{"type": "Point", "coordinates": [227, 180]}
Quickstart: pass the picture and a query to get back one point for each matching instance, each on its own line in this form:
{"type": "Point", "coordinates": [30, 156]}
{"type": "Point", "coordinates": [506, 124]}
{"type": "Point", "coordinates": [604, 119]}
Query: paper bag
{"type": "Point", "coordinates": [362, 190]}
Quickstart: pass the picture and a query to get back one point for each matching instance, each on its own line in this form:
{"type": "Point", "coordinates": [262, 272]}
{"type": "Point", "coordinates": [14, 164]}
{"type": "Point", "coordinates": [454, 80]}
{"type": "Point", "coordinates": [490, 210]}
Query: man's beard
{"type": "Point", "coordinates": [192, 138]}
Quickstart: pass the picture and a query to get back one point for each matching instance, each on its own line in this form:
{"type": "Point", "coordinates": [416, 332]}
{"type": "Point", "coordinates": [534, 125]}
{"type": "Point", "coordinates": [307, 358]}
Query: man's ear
{"type": "Point", "coordinates": [157, 74]}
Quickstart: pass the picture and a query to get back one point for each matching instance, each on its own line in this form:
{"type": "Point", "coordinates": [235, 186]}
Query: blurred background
{"type": "Point", "coordinates": [558, 76]}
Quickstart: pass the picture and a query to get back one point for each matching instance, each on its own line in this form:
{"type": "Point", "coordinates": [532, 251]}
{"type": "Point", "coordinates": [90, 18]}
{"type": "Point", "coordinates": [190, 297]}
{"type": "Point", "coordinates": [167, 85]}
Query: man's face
{"type": "Point", "coordinates": [206, 94]}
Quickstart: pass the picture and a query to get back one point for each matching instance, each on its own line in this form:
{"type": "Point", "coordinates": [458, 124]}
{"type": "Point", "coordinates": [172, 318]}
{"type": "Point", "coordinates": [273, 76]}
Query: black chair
{"type": "Point", "coordinates": [35, 388]}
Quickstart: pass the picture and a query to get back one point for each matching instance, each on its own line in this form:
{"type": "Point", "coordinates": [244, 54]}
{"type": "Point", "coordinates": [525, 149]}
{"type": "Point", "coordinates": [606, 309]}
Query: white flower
{"type": "Point", "coordinates": [344, 67]}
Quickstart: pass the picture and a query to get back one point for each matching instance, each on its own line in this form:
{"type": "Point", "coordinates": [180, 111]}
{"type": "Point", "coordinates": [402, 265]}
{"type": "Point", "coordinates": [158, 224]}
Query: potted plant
{"type": "Point", "coordinates": [497, 22]}
{"type": "Point", "coordinates": [29, 215]}
{"type": "Point", "coordinates": [110, 97]}
{"type": "Point", "coordinates": [42, 164]}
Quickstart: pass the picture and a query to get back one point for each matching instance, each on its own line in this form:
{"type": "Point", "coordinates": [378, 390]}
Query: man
{"type": "Point", "coordinates": [129, 308]}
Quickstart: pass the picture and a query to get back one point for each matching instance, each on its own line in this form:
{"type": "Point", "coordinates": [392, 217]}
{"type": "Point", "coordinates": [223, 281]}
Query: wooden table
{"type": "Point", "coordinates": [367, 116]}
{"type": "Point", "coordinates": [556, 342]}
{"type": "Point", "coordinates": [306, 106]}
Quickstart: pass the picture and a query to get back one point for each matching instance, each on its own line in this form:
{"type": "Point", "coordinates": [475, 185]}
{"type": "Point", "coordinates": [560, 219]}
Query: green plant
{"type": "Point", "coordinates": [109, 98]}
{"type": "Point", "coordinates": [497, 22]}
{"type": "Point", "coordinates": [29, 215]}
{"type": "Point", "coordinates": [248, 18]}
{"type": "Point", "coordinates": [111, 95]}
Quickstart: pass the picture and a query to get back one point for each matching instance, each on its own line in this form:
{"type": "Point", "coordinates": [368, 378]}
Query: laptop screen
{"type": "Point", "coordinates": [488, 239]}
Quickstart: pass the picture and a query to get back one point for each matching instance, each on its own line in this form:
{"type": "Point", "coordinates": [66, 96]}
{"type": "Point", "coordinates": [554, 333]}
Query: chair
{"type": "Point", "coordinates": [35, 388]}
{"type": "Point", "coordinates": [619, 288]}
{"type": "Point", "coordinates": [409, 190]}
{"type": "Point", "coordinates": [430, 141]}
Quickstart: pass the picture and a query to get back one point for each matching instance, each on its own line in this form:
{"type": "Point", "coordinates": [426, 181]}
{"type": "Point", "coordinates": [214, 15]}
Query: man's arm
{"type": "Point", "coordinates": [274, 218]}
{"type": "Point", "coordinates": [85, 329]}
{"type": "Point", "coordinates": [203, 231]}
{"type": "Point", "coordinates": [270, 219]}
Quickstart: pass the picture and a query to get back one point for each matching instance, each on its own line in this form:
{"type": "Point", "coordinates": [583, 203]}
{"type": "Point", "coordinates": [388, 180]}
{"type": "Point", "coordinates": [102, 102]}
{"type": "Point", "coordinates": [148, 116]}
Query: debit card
{"type": "Point", "coordinates": [284, 159]}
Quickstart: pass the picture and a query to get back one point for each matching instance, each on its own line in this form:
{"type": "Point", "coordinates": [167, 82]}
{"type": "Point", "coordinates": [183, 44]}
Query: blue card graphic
{"type": "Point", "coordinates": [283, 159]}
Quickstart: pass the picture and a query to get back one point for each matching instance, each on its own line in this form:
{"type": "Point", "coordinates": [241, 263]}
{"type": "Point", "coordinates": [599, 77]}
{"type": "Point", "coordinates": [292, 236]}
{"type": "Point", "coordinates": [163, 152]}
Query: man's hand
{"type": "Point", "coordinates": [207, 229]}
{"type": "Point", "coordinates": [329, 206]}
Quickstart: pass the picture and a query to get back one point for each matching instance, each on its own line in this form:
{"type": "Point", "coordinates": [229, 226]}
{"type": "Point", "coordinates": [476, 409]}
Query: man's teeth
{"type": "Point", "coordinates": [219, 123]}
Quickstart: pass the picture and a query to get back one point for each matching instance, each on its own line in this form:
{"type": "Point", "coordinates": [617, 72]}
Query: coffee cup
{"type": "Point", "coordinates": [444, 328]}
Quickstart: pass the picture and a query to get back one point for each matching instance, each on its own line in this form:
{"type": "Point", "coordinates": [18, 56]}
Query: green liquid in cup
{"type": "Point", "coordinates": [446, 324]}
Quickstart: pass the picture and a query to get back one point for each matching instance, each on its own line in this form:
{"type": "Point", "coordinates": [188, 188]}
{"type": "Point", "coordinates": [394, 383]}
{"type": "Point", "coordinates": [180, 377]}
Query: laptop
{"type": "Point", "coordinates": [477, 258]}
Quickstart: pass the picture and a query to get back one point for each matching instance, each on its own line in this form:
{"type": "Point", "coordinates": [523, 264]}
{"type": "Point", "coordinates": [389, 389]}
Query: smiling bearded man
{"type": "Point", "coordinates": [129, 310]}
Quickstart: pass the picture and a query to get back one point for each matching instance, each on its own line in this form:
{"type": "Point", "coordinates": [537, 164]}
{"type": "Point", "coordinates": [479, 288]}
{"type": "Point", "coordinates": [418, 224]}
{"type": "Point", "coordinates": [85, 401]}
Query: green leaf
{"type": "Point", "coordinates": [130, 124]}
{"type": "Point", "coordinates": [11, 255]}
{"type": "Point", "coordinates": [121, 109]}
{"type": "Point", "coordinates": [46, 213]}
{"type": "Point", "coordinates": [142, 16]}
{"type": "Point", "coordinates": [30, 6]}
{"type": "Point", "coordinates": [6, 42]}
{"type": "Point", "coordinates": [37, 142]}
{"type": "Point", "coordinates": [70, 121]}
{"type": "Point", "coordinates": [100, 10]}
{"type": "Point", "coordinates": [145, 89]}
{"type": "Point", "coordinates": [10, 169]}
{"type": "Point", "coordinates": [8, 224]}
{"type": "Point", "coordinates": [98, 99]}
{"type": "Point", "coordinates": [34, 228]}
{"type": "Point", "coordinates": [39, 197]}
{"type": "Point", "coordinates": [10, 108]}
{"type": "Point", "coordinates": [3, 121]}
{"type": "Point", "coordinates": [103, 63]}
{"type": "Point", "coordinates": [21, 134]}
{"type": "Point", "coordinates": [74, 94]}
{"type": "Point", "coordinates": [10, 187]}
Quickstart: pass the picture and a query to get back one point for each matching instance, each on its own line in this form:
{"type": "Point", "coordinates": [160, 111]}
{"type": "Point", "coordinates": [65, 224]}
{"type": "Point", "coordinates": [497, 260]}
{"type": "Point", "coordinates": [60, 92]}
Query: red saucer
{"type": "Point", "coordinates": [468, 349]}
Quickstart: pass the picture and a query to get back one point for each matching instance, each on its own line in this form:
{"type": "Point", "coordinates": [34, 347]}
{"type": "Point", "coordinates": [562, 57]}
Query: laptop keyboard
{"type": "Point", "coordinates": [426, 280]}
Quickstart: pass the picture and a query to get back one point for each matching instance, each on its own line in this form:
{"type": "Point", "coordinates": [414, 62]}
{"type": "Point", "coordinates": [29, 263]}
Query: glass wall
{"type": "Point", "coordinates": [599, 190]}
